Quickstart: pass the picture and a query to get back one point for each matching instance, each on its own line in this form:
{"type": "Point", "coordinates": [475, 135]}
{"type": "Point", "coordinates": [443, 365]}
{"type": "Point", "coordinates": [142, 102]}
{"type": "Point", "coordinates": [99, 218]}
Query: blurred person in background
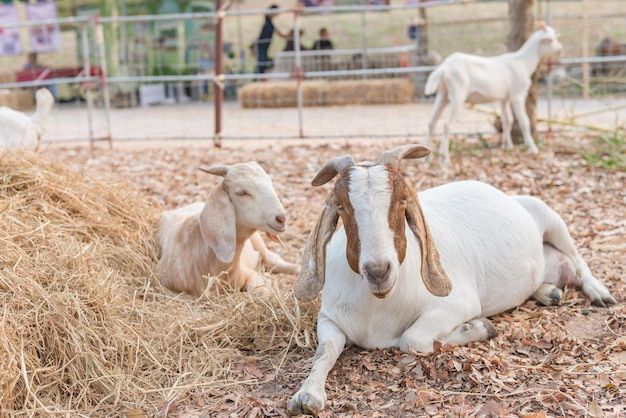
{"type": "Point", "coordinates": [290, 45]}
{"type": "Point", "coordinates": [32, 64]}
{"type": "Point", "coordinates": [261, 47]}
{"type": "Point", "coordinates": [324, 41]}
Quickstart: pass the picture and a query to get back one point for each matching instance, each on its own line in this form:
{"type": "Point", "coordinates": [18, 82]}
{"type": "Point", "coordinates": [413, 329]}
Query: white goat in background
{"type": "Point", "coordinates": [19, 131]}
{"type": "Point", "coordinates": [405, 271]}
{"type": "Point", "coordinates": [221, 235]}
{"type": "Point", "coordinates": [464, 78]}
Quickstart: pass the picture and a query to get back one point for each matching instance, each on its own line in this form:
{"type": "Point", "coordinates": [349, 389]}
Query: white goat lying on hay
{"type": "Point", "coordinates": [463, 78]}
{"type": "Point", "coordinates": [401, 274]}
{"type": "Point", "coordinates": [221, 235]}
{"type": "Point", "coordinates": [19, 131]}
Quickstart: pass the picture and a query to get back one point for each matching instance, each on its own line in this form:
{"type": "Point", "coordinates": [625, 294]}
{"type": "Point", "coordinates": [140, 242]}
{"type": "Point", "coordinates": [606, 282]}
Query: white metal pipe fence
{"type": "Point", "coordinates": [609, 82]}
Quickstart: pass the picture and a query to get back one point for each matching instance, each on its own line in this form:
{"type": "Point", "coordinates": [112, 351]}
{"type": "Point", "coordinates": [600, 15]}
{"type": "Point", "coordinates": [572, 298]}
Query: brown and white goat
{"type": "Point", "coordinates": [405, 271]}
{"type": "Point", "coordinates": [222, 235]}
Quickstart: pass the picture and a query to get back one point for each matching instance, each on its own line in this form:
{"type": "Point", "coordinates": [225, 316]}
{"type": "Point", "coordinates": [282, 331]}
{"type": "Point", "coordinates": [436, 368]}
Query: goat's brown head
{"type": "Point", "coordinates": [374, 203]}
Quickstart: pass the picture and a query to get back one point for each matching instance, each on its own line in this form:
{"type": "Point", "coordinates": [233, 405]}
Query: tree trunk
{"type": "Point", "coordinates": [521, 26]}
{"type": "Point", "coordinates": [422, 47]}
{"type": "Point", "coordinates": [420, 57]}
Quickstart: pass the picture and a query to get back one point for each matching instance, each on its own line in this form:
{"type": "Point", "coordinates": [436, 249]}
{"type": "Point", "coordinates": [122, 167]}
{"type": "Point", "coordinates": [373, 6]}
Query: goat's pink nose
{"type": "Point", "coordinates": [281, 219]}
{"type": "Point", "coordinates": [377, 271]}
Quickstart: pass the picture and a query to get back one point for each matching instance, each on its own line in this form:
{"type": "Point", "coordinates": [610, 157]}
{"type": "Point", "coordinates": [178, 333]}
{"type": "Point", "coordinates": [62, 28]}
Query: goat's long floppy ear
{"type": "Point", "coordinates": [434, 276]}
{"type": "Point", "coordinates": [313, 268]}
{"type": "Point", "coordinates": [217, 219]}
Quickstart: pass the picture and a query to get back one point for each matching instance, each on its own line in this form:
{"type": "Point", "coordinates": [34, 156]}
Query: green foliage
{"type": "Point", "coordinates": [610, 151]}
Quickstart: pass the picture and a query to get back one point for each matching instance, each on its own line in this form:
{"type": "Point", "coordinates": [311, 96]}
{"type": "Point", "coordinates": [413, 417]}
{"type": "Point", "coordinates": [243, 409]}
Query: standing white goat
{"type": "Point", "coordinates": [221, 235]}
{"type": "Point", "coordinates": [464, 78]}
{"type": "Point", "coordinates": [18, 130]}
{"type": "Point", "coordinates": [404, 274]}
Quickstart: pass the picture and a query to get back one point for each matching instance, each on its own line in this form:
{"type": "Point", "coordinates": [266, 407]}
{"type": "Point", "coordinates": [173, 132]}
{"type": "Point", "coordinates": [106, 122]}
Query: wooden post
{"type": "Point", "coordinates": [521, 26]}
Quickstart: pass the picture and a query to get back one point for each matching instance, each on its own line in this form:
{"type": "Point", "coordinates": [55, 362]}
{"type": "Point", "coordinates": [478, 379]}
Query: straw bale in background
{"type": "Point", "coordinates": [281, 94]}
{"type": "Point", "coordinates": [17, 99]}
{"type": "Point", "coordinates": [326, 93]}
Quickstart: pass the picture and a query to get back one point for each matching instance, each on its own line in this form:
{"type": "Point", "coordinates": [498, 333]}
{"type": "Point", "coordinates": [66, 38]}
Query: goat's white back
{"type": "Point", "coordinates": [489, 246]}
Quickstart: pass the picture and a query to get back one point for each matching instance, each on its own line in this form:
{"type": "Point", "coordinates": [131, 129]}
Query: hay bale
{"type": "Point", "coordinates": [17, 99]}
{"type": "Point", "coordinates": [378, 91]}
{"type": "Point", "coordinates": [86, 329]}
{"type": "Point", "coordinates": [281, 94]}
{"type": "Point", "coordinates": [327, 93]}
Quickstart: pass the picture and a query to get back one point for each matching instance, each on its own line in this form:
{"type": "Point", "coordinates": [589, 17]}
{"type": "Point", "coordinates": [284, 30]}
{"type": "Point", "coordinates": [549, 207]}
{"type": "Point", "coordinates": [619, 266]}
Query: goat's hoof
{"type": "Point", "coordinates": [475, 330]}
{"type": "Point", "coordinates": [305, 403]}
{"type": "Point", "coordinates": [597, 292]}
{"type": "Point", "coordinates": [294, 269]}
{"type": "Point", "coordinates": [548, 295]}
{"type": "Point", "coordinates": [491, 331]}
{"type": "Point", "coordinates": [603, 302]}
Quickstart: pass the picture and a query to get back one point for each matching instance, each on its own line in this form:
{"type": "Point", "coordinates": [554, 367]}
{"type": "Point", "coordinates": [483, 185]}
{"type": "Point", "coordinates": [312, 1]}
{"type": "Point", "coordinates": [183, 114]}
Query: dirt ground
{"type": "Point", "coordinates": [196, 120]}
{"type": "Point", "coordinates": [559, 361]}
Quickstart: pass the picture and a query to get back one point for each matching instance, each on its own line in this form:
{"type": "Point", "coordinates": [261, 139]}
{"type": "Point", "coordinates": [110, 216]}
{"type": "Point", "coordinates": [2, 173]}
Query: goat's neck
{"type": "Point", "coordinates": [40, 117]}
{"type": "Point", "coordinates": [528, 55]}
{"type": "Point", "coordinates": [243, 234]}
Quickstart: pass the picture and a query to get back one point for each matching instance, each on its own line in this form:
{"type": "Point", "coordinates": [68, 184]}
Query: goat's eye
{"type": "Point", "coordinates": [242, 193]}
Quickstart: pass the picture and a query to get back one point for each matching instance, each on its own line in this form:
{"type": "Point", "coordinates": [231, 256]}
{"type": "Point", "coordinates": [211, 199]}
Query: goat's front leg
{"type": "Point", "coordinates": [507, 121]}
{"type": "Point", "coordinates": [440, 102]}
{"type": "Point", "coordinates": [243, 278]}
{"type": "Point", "coordinates": [270, 259]}
{"type": "Point", "coordinates": [519, 109]}
{"type": "Point", "coordinates": [311, 397]}
{"type": "Point", "coordinates": [446, 326]}
{"type": "Point", "coordinates": [455, 104]}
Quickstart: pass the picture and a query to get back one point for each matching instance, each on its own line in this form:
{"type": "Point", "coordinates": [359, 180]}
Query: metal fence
{"type": "Point", "coordinates": [154, 76]}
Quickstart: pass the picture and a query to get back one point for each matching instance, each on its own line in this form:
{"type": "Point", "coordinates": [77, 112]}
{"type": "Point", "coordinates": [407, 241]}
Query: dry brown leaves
{"type": "Point", "coordinates": [545, 362]}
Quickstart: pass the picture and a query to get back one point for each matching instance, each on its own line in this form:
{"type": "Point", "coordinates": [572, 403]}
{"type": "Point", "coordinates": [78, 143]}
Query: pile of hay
{"type": "Point", "coordinates": [86, 330]}
{"type": "Point", "coordinates": [17, 99]}
{"type": "Point", "coordinates": [327, 93]}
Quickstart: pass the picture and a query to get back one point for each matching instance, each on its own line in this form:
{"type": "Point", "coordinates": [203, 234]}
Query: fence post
{"type": "Point", "coordinates": [86, 73]}
{"type": "Point", "coordinates": [585, 48]}
{"type": "Point", "coordinates": [549, 71]}
{"type": "Point", "coordinates": [103, 79]}
{"type": "Point", "coordinates": [219, 70]}
{"type": "Point", "coordinates": [298, 74]}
